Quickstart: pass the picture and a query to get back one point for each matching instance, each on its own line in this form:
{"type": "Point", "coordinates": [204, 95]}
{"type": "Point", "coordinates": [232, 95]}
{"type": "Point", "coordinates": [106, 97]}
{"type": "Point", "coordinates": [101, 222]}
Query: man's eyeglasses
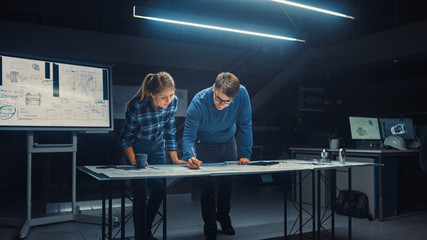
{"type": "Point", "coordinates": [218, 99]}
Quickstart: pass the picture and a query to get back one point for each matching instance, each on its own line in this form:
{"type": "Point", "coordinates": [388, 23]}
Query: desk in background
{"type": "Point", "coordinates": [379, 156]}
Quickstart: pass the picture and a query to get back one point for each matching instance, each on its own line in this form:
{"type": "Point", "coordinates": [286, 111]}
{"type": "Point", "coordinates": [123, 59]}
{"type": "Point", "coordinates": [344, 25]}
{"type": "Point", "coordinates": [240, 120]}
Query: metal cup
{"type": "Point", "coordinates": [324, 156]}
{"type": "Point", "coordinates": [141, 160]}
{"type": "Point", "coordinates": [341, 156]}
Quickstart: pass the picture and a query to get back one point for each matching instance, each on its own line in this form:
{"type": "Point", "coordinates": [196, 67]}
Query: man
{"type": "Point", "coordinates": [209, 136]}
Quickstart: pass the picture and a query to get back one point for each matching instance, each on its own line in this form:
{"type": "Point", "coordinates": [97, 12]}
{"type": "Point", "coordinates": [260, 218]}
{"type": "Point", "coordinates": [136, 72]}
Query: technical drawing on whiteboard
{"type": "Point", "coordinates": [41, 93]}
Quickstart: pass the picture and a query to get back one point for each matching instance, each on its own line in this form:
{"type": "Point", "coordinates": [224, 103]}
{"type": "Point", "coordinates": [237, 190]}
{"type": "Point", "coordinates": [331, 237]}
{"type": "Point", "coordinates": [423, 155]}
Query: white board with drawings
{"type": "Point", "coordinates": [48, 94]}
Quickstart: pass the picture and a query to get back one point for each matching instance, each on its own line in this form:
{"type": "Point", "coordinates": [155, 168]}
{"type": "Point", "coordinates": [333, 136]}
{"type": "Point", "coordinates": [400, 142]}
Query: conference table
{"type": "Point", "coordinates": [109, 174]}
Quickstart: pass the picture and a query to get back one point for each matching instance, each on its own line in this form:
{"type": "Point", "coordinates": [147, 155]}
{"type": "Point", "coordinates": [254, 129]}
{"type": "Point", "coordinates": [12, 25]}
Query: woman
{"type": "Point", "coordinates": [149, 128]}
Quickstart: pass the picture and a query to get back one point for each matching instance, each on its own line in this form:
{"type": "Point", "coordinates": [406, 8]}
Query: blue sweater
{"type": "Point", "coordinates": [209, 124]}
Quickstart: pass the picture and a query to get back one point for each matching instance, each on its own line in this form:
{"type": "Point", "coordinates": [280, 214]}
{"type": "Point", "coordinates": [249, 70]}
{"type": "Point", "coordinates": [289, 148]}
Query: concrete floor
{"type": "Point", "coordinates": [257, 213]}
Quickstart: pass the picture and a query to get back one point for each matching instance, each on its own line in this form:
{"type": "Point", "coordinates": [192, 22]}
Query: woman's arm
{"type": "Point", "coordinates": [130, 155]}
{"type": "Point", "coordinates": [174, 158]}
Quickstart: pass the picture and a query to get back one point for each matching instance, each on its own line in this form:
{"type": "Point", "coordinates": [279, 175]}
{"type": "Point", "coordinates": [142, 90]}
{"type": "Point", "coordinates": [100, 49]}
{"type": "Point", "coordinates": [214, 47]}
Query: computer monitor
{"type": "Point", "coordinates": [402, 127]}
{"type": "Point", "coordinates": [43, 94]}
{"type": "Point", "coordinates": [364, 128]}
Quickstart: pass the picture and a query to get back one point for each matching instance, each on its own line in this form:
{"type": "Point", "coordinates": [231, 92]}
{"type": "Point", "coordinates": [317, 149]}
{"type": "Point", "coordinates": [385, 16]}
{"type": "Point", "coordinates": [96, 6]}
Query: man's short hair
{"type": "Point", "coordinates": [228, 83]}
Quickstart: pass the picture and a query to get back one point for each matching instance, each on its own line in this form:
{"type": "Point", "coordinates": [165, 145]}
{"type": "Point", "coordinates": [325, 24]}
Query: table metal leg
{"type": "Point", "coordinates": [380, 188]}
{"type": "Point", "coordinates": [332, 186]}
{"type": "Point", "coordinates": [319, 202]}
{"type": "Point", "coordinates": [351, 203]}
{"type": "Point", "coordinates": [164, 209]}
{"type": "Point", "coordinates": [285, 212]}
{"type": "Point", "coordinates": [137, 192]}
{"type": "Point", "coordinates": [103, 210]}
{"type": "Point", "coordinates": [123, 209]}
{"type": "Point", "coordinates": [300, 205]}
{"type": "Point", "coordinates": [110, 212]}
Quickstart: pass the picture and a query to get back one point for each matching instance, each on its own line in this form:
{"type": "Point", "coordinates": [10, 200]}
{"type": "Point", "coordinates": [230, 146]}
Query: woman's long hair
{"type": "Point", "coordinates": [153, 83]}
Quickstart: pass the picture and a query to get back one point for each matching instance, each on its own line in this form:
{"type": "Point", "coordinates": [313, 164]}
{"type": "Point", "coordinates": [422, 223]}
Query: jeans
{"type": "Point", "coordinates": [141, 188]}
{"type": "Point", "coordinates": [215, 195]}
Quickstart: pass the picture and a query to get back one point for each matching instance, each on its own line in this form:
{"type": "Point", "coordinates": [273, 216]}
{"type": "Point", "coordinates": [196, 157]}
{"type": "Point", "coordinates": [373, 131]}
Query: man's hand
{"type": "Point", "coordinates": [194, 163]}
{"type": "Point", "coordinates": [243, 161]}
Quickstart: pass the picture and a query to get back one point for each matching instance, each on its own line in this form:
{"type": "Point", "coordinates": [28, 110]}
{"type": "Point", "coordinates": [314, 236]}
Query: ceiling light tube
{"type": "Point", "coordinates": [217, 28]}
{"type": "Point", "coordinates": [313, 8]}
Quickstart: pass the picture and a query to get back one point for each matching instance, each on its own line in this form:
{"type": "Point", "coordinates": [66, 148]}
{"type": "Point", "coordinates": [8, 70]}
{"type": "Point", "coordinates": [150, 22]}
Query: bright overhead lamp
{"type": "Point", "coordinates": [313, 8]}
{"type": "Point", "coordinates": [216, 27]}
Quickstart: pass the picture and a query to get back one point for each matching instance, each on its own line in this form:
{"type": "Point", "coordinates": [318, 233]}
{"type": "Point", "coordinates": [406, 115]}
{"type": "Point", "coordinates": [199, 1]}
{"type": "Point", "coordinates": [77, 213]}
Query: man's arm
{"type": "Point", "coordinates": [192, 123]}
{"type": "Point", "coordinates": [245, 127]}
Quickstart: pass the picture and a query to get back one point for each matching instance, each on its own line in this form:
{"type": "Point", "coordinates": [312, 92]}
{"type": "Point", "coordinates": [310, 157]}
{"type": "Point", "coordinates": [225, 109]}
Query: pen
{"type": "Point", "coordinates": [193, 152]}
{"type": "Point", "coordinates": [198, 163]}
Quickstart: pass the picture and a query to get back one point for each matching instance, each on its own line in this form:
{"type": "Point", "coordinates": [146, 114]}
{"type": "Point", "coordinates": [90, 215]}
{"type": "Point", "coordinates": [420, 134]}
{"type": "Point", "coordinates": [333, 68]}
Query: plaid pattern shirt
{"type": "Point", "coordinates": [143, 121]}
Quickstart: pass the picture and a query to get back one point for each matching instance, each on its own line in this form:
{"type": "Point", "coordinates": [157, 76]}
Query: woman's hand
{"type": "Point", "coordinates": [243, 161]}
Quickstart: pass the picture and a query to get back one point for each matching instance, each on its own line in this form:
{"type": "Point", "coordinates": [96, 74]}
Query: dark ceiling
{"type": "Point", "coordinates": [115, 16]}
{"type": "Point", "coordinates": [261, 57]}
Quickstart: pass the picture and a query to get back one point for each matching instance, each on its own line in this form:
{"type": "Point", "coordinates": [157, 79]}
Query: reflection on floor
{"type": "Point", "coordinates": [257, 213]}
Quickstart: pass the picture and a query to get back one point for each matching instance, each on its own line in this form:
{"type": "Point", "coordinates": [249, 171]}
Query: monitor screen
{"type": "Point", "coordinates": [45, 94]}
{"type": "Point", "coordinates": [402, 127]}
{"type": "Point", "coordinates": [364, 128]}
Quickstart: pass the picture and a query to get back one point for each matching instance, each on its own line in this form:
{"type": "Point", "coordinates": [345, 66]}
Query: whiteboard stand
{"type": "Point", "coordinates": [33, 147]}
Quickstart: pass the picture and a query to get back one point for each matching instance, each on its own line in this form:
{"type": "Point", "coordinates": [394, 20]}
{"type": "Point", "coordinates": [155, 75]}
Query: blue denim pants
{"type": "Point", "coordinates": [153, 188]}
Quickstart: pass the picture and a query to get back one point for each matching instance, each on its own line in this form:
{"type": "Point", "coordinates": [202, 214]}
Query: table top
{"type": "Point", "coordinates": [350, 150]}
{"type": "Point", "coordinates": [123, 172]}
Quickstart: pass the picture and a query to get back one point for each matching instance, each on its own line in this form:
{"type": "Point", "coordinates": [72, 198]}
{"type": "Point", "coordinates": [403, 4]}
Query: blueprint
{"type": "Point", "coordinates": [214, 169]}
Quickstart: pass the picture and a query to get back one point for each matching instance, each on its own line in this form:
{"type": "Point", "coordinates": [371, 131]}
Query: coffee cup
{"type": "Point", "coordinates": [141, 160]}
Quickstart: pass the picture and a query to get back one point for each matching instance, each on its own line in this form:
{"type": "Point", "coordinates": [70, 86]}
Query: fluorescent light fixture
{"type": "Point", "coordinates": [313, 8]}
{"type": "Point", "coordinates": [217, 28]}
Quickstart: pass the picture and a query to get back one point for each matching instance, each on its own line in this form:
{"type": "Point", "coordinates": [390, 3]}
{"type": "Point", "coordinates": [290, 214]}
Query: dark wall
{"type": "Point", "coordinates": [393, 89]}
{"type": "Point", "coordinates": [388, 89]}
